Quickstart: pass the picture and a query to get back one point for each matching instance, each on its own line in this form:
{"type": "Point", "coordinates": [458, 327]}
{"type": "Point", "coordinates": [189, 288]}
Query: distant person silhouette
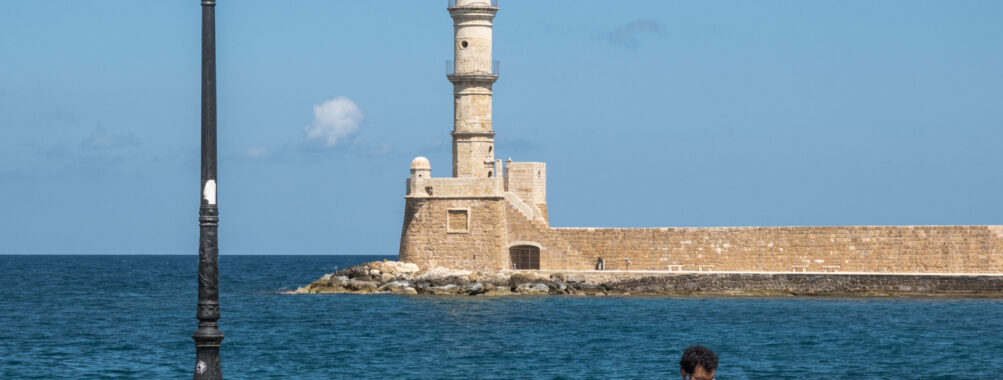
{"type": "Point", "coordinates": [698, 363]}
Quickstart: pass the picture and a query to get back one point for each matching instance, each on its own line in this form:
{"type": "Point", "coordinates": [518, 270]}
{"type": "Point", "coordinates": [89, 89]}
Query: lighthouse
{"type": "Point", "coordinates": [472, 73]}
{"type": "Point", "coordinates": [483, 216]}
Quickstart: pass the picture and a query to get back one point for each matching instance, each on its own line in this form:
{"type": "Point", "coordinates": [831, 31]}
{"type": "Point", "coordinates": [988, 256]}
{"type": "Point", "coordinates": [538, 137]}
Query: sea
{"type": "Point", "coordinates": [131, 317]}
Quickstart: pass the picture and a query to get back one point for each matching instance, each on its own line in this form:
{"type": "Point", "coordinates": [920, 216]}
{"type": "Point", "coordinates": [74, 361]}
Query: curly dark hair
{"type": "Point", "coordinates": [698, 355]}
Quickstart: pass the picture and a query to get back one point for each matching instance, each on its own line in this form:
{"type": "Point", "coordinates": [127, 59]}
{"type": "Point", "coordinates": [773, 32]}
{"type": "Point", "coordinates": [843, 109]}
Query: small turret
{"type": "Point", "coordinates": [421, 172]}
{"type": "Point", "coordinates": [420, 165]}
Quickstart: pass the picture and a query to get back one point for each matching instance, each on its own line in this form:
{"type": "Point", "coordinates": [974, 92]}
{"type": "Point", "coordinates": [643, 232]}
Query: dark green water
{"type": "Point", "coordinates": [86, 317]}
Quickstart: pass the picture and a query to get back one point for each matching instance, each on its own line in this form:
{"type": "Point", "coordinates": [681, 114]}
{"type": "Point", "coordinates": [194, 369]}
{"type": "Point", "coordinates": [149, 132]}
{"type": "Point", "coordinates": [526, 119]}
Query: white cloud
{"type": "Point", "coordinates": [333, 120]}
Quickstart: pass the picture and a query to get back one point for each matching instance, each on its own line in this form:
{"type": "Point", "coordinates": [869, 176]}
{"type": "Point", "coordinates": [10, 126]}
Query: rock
{"type": "Point", "coordinates": [362, 285]}
{"type": "Point", "coordinates": [374, 272]}
{"type": "Point", "coordinates": [588, 289]}
{"type": "Point", "coordinates": [398, 287]}
{"type": "Point", "coordinates": [444, 289]}
{"type": "Point", "coordinates": [395, 285]}
{"type": "Point", "coordinates": [398, 269]}
{"type": "Point", "coordinates": [326, 277]}
{"type": "Point", "coordinates": [493, 278]}
{"type": "Point", "coordinates": [339, 280]}
{"type": "Point", "coordinates": [558, 287]}
{"type": "Point", "coordinates": [327, 289]}
{"type": "Point", "coordinates": [360, 271]}
{"type": "Point", "coordinates": [574, 279]}
{"type": "Point", "coordinates": [491, 290]}
{"type": "Point", "coordinates": [473, 288]}
{"type": "Point", "coordinates": [522, 278]}
{"type": "Point", "coordinates": [533, 288]}
{"type": "Point", "coordinates": [454, 280]}
{"type": "Point", "coordinates": [421, 287]}
{"type": "Point", "coordinates": [442, 273]}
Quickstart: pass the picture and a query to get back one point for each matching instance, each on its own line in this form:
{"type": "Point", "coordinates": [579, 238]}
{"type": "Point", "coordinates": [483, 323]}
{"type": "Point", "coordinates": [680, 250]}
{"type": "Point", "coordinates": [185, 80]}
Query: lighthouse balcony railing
{"type": "Point", "coordinates": [481, 3]}
{"type": "Point", "coordinates": [451, 68]}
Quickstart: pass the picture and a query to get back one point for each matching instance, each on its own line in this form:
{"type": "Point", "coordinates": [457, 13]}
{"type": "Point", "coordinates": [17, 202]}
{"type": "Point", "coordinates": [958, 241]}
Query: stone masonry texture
{"type": "Point", "coordinates": [426, 240]}
{"type": "Point", "coordinates": [881, 249]}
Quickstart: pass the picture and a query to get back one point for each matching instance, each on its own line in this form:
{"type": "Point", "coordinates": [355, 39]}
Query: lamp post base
{"type": "Point", "coordinates": [207, 341]}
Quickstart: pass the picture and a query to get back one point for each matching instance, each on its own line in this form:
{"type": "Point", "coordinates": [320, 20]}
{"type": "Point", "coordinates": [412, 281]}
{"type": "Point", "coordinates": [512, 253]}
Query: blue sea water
{"type": "Point", "coordinates": [98, 317]}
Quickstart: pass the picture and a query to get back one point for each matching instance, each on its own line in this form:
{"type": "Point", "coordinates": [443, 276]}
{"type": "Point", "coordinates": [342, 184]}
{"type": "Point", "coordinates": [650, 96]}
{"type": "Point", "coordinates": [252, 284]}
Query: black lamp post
{"type": "Point", "coordinates": [208, 337]}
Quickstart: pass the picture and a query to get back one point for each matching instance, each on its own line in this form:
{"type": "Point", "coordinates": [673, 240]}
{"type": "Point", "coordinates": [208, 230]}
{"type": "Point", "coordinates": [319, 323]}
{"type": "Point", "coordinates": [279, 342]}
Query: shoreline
{"type": "Point", "coordinates": [406, 278]}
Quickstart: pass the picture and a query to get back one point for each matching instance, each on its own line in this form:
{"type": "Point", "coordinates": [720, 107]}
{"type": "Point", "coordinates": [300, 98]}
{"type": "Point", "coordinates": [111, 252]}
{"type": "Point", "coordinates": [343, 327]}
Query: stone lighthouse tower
{"type": "Point", "coordinates": [473, 72]}
{"type": "Point", "coordinates": [485, 214]}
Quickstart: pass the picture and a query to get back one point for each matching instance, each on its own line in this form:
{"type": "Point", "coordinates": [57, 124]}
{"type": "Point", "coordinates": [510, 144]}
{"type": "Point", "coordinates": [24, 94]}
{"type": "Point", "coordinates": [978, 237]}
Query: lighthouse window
{"type": "Point", "coordinates": [463, 44]}
{"type": "Point", "coordinates": [489, 149]}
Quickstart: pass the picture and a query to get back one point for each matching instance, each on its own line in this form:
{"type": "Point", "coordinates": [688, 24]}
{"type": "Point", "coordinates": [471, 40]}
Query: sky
{"type": "Point", "coordinates": [647, 113]}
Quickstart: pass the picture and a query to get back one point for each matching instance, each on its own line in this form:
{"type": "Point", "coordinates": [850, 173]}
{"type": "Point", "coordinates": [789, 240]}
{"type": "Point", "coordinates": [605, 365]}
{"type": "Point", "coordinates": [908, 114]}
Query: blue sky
{"type": "Point", "coordinates": [648, 113]}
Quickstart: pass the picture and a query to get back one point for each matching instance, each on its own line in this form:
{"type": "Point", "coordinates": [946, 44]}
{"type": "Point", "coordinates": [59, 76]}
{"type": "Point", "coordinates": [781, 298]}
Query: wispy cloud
{"type": "Point", "coordinates": [62, 158]}
{"type": "Point", "coordinates": [258, 152]}
{"type": "Point", "coordinates": [334, 120]}
{"type": "Point", "coordinates": [628, 35]}
{"type": "Point", "coordinates": [100, 152]}
{"type": "Point", "coordinates": [99, 138]}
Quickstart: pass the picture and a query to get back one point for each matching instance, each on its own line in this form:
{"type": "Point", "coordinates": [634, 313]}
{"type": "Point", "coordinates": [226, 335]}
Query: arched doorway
{"type": "Point", "coordinates": [525, 257]}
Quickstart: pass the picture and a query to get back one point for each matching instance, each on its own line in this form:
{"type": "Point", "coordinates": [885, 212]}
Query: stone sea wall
{"type": "Point", "coordinates": [408, 278]}
{"type": "Point", "coordinates": [875, 249]}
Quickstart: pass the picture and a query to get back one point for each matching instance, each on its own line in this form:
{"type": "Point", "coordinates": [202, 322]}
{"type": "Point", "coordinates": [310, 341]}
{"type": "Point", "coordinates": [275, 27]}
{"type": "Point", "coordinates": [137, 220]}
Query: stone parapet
{"type": "Point", "coordinates": [464, 187]}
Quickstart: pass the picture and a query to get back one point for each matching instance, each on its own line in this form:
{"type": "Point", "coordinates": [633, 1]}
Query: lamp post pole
{"type": "Point", "coordinates": [208, 337]}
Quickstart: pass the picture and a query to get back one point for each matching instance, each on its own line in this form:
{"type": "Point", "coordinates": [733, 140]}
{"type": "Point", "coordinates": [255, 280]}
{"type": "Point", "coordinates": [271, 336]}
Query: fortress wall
{"type": "Point", "coordinates": [460, 233]}
{"type": "Point", "coordinates": [880, 249]}
{"type": "Point", "coordinates": [555, 252]}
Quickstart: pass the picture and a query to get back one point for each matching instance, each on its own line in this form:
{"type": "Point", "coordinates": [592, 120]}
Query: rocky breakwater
{"type": "Point", "coordinates": [407, 278]}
